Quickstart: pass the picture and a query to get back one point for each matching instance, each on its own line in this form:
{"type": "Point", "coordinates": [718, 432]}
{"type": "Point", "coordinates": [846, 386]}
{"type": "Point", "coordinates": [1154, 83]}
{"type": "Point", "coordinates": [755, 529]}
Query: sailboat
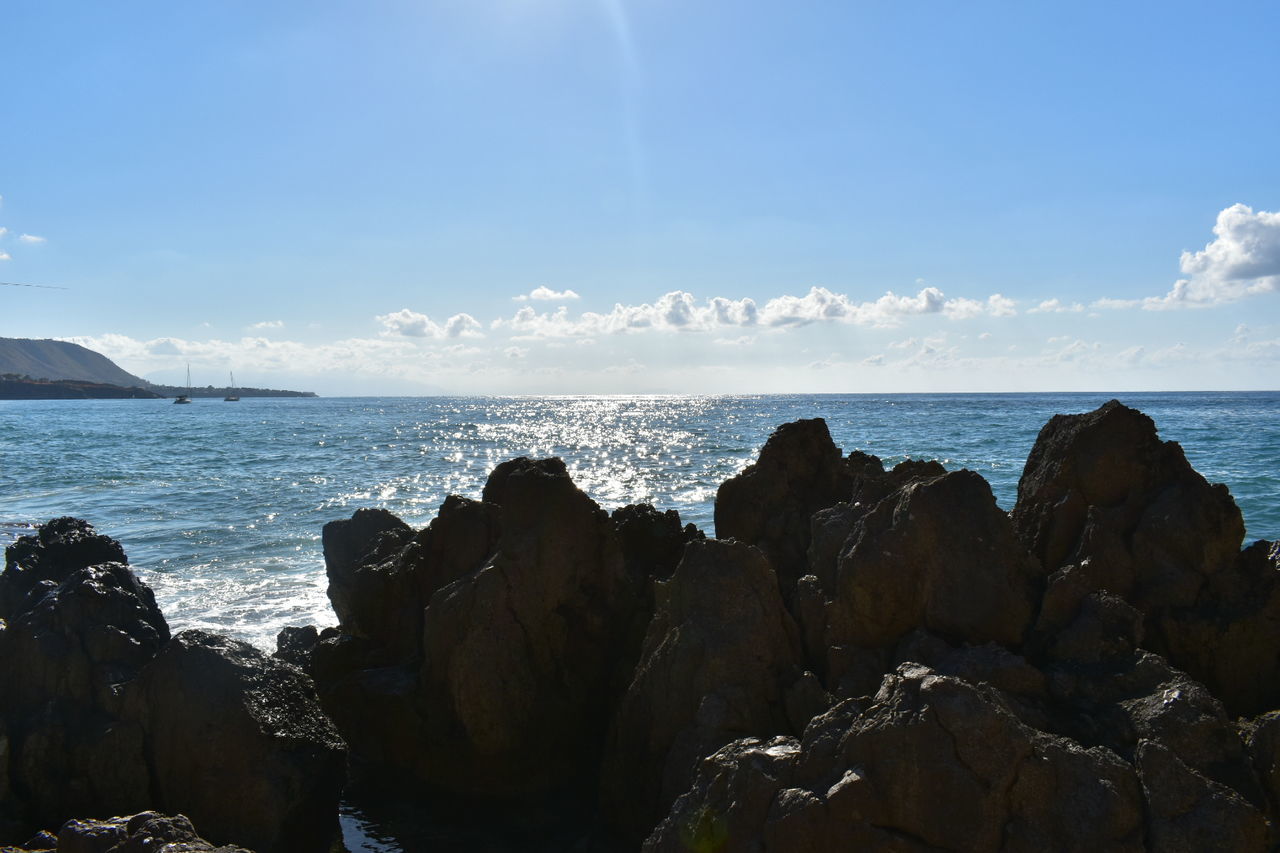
{"type": "Point", "coordinates": [185, 398]}
{"type": "Point", "coordinates": [231, 389]}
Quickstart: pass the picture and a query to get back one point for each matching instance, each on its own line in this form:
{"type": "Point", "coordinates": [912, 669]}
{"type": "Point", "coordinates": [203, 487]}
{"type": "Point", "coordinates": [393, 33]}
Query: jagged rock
{"type": "Point", "coordinates": [652, 542]}
{"type": "Point", "coordinates": [238, 742]}
{"type": "Point", "coordinates": [67, 657]}
{"type": "Point", "coordinates": [360, 590]}
{"type": "Point", "coordinates": [145, 832]}
{"type": "Point", "coordinates": [1230, 639]}
{"type": "Point", "coordinates": [57, 549]}
{"type": "Point", "coordinates": [937, 554]}
{"type": "Point", "coordinates": [103, 712]}
{"type": "Point", "coordinates": [522, 657]}
{"type": "Point", "coordinates": [718, 659]}
{"type": "Point", "coordinates": [294, 645]}
{"type": "Point", "coordinates": [930, 763]}
{"type": "Point", "coordinates": [799, 472]}
{"type": "Point", "coordinates": [1188, 813]}
{"type": "Point", "coordinates": [1103, 487]}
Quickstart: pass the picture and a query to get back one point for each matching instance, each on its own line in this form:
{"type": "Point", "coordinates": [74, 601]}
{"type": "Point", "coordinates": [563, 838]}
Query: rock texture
{"type": "Point", "coordinates": [103, 712]}
{"type": "Point", "coordinates": [140, 833]}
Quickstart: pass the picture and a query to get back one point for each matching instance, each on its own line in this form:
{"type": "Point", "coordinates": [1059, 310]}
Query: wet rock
{"type": "Point", "coordinates": [295, 644]}
{"type": "Point", "coordinates": [238, 742]}
{"type": "Point", "coordinates": [141, 833]}
{"type": "Point", "coordinates": [103, 712]}
{"type": "Point", "coordinates": [67, 658]}
{"type": "Point", "coordinates": [719, 657]}
{"type": "Point", "coordinates": [57, 549]}
{"type": "Point", "coordinates": [930, 763]}
{"type": "Point", "coordinates": [799, 471]}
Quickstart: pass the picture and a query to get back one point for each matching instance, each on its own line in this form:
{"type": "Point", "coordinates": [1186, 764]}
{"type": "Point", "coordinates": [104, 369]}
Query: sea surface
{"type": "Point", "coordinates": [220, 505]}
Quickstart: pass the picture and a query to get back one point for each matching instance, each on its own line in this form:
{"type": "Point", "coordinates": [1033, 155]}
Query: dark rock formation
{"type": "Point", "coordinates": [930, 762]}
{"type": "Point", "coordinates": [799, 472]}
{"type": "Point", "coordinates": [103, 713]}
{"type": "Point", "coordinates": [719, 656]}
{"type": "Point", "coordinates": [140, 833]}
{"type": "Point", "coordinates": [237, 742]}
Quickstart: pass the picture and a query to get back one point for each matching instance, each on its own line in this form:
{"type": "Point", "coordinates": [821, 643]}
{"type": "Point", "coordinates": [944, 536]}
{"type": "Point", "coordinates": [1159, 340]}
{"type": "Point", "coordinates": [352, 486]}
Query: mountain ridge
{"type": "Point", "coordinates": [53, 360]}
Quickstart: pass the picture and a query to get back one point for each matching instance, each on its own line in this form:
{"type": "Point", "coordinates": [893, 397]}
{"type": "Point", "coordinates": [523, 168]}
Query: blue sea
{"type": "Point", "coordinates": [220, 505]}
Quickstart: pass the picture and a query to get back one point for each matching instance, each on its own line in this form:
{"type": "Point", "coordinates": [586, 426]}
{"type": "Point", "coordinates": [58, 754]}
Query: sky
{"type": "Point", "coordinates": [647, 196]}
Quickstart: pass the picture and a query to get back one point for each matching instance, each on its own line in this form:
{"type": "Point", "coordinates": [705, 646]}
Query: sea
{"type": "Point", "coordinates": [220, 505]}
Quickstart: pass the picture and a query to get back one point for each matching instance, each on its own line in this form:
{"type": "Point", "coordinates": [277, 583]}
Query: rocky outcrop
{"type": "Point", "coordinates": [139, 833]}
{"type": "Point", "coordinates": [719, 658]}
{"type": "Point", "coordinates": [103, 712]}
{"type": "Point", "coordinates": [930, 762]}
{"type": "Point", "coordinates": [799, 472]}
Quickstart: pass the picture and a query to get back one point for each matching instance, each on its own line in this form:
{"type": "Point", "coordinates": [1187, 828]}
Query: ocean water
{"type": "Point", "coordinates": [220, 505]}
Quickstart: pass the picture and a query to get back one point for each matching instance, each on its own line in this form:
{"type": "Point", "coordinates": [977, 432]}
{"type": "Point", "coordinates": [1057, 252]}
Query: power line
{"type": "Point", "coordinates": [45, 286]}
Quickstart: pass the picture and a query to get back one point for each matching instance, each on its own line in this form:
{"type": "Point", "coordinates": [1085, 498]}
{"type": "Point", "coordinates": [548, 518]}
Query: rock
{"type": "Point", "coordinates": [146, 832]}
{"type": "Point", "coordinates": [1230, 638]}
{"type": "Point", "coordinates": [652, 542]}
{"type": "Point", "coordinates": [57, 549]}
{"type": "Point", "coordinates": [359, 589]}
{"type": "Point", "coordinates": [295, 644]}
{"type": "Point", "coordinates": [68, 658]}
{"type": "Point", "coordinates": [937, 554]}
{"type": "Point", "coordinates": [1188, 812]}
{"type": "Point", "coordinates": [1103, 487]}
{"type": "Point", "coordinates": [523, 658]}
{"type": "Point", "coordinates": [103, 712]}
{"type": "Point", "coordinates": [799, 472]}
{"type": "Point", "coordinates": [238, 742]}
{"type": "Point", "coordinates": [718, 659]}
{"type": "Point", "coordinates": [930, 763]}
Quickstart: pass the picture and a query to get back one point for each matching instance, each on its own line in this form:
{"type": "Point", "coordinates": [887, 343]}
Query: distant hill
{"type": "Point", "coordinates": [62, 360]}
{"type": "Point", "coordinates": [25, 359]}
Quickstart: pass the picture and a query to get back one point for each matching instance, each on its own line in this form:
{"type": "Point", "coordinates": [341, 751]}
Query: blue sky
{"type": "Point", "coordinates": [560, 196]}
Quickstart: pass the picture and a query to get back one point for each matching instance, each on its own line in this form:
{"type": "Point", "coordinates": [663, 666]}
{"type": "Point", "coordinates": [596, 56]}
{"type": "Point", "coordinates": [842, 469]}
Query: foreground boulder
{"type": "Point", "coordinates": [930, 762]}
{"type": "Point", "coordinates": [140, 833]}
{"type": "Point", "coordinates": [103, 712]}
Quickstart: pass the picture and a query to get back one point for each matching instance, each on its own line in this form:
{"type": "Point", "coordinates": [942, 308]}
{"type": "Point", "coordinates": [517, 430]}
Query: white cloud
{"type": "Point", "coordinates": [411, 324]}
{"type": "Point", "coordinates": [268, 324]}
{"type": "Point", "coordinates": [516, 352]}
{"type": "Point", "coordinates": [681, 311]}
{"type": "Point", "coordinates": [3, 231]}
{"type": "Point", "coordinates": [1243, 260]}
{"type": "Point", "coordinates": [462, 326]}
{"type": "Point", "coordinates": [1057, 306]}
{"type": "Point", "coordinates": [546, 294]}
{"type": "Point", "coordinates": [27, 238]}
{"type": "Point", "coordinates": [4, 256]}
